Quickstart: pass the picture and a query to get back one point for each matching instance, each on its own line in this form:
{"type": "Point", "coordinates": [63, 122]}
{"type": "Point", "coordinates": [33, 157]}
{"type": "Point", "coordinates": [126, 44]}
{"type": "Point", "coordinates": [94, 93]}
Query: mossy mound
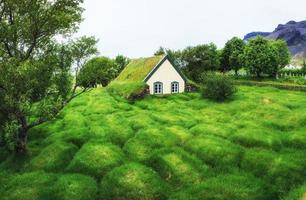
{"type": "Point", "coordinates": [30, 186]}
{"type": "Point", "coordinates": [128, 90]}
{"type": "Point", "coordinates": [133, 182]}
{"type": "Point", "coordinates": [76, 187]}
{"type": "Point", "coordinates": [297, 194]}
{"type": "Point", "coordinates": [215, 151]}
{"type": "Point", "coordinates": [226, 187]}
{"type": "Point", "coordinates": [54, 157]}
{"type": "Point", "coordinates": [283, 170]}
{"type": "Point", "coordinates": [141, 147]}
{"type": "Point", "coordinates": [96, 159]}
{"type": "Point", "coordinates": [178, 167]}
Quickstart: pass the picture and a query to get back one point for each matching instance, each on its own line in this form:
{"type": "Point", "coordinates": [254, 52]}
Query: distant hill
{"type": "Point", "coordinates": [294, 33]}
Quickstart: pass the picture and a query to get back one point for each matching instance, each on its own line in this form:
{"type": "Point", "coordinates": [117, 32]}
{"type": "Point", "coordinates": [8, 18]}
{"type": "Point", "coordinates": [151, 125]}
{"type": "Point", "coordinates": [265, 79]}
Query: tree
{"type": "Point", "coordinates": [259, 56]}
{"type": "Point", "coordinates": [35, 83]}
{"type": "Point", "coordinates": [99, 70]}
{"type": "Point", "coordinates": [230, 56]}
{"type": "Point", "coordinates": [160, 51]}
{"type": "Point", "coordinates": [199, 59]}
{"type": "Point", "coordinates": [282, 53]}
{"type": "Point", "coordinates": [121, 62]}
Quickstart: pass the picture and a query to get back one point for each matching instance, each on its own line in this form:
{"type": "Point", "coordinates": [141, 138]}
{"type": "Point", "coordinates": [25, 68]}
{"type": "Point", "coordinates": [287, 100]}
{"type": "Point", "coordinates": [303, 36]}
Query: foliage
{"type": "Point", "coordinates": [263, 56]}
{"type": "Point", "coordinates": [218, 87]}
{"type": "Point", "coordinates": [160, 52]}
{"type": "Point", "coordinates": [231, 55]}
{"type": "Point", "coordinates": [121, 62]}
{"type": "Point", "coordinates": [134, 182]}
{"type": "Point", "coordinates": [36, 83]}
{"type": "Point", "coordinates": [99, 70]}
{"type": "Point", "coordinates": [199, 59]}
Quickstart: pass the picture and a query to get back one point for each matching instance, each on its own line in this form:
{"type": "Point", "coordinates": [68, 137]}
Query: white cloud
{"type": "Point", "coordinates": [137, 28]}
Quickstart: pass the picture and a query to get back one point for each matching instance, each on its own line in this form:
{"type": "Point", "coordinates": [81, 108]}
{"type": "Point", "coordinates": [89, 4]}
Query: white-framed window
{"type": "Point", "coordinates": [175, 87]}
{"type": "Point", "coordinates": [158, 88]}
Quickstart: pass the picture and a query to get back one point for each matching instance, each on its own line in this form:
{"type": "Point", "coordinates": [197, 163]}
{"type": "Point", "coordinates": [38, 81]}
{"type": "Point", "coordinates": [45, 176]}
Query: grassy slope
{"type": "Point", "coordinates": [250, 148]}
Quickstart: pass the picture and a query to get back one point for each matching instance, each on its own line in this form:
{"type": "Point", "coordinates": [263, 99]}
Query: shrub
{"type": "Point", "coordinates": [218, 88]}
{"type": "Point", "coordinates": [215, 151]}
{"type": "Point", "coordinates": [30, 186]}
{"type": "Point", "coordinates": [297, 194]}
{"type": "Point", "coordinates": [226, 187]}
{"type": "Point", "coordinates": [178, 167]}
{"type": "Point", "coordinates": [133, 182]}
{"type": "Point", "coordinates": [76, 187]}
{"type": "Point", "coordinates": [54, 157]}
{"type": "Point", "coordinates": [96, 159]}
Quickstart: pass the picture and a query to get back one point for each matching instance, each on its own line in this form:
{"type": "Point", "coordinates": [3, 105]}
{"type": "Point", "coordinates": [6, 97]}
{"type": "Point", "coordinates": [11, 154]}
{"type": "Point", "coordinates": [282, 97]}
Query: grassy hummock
{"type": "Point", "coordinates": [133, 182]}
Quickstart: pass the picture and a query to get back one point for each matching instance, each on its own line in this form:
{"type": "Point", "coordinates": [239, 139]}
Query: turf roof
{"type": "Point", "coordinates": [138, 69]}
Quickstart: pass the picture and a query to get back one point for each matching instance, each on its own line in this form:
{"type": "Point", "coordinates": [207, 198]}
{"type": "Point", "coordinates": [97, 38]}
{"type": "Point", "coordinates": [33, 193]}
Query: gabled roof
{"type": "Point", "coordinates": [142, 69]}
{"type": "Point", "coordinates": [138, 69]}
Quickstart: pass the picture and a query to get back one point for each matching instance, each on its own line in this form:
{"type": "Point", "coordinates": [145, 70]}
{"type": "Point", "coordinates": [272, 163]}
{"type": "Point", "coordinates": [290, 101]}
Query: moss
{"type": "Point", "coordinates": [76, 187]}
{"type": "Point", "coordinates": [215, 151]}
{"type": "Point", "coordinates": [130, 91]}
{"type": "Point", "coordinates": [138, 69]}
{"type": "Point", "coordinates": [30, 186]}
{"type": "Point", "coordinates": [178, 167]}
{"type": "Point", "coordinates": [133, 182]}
{"type": "Point", "coordinates": [298, 193]}
{"type": "Point", "coordinates": [54, 157]}
{"type": "Point", "coordinates": [226, 187]}
{"type": "Point", "coordinates": [96, 159]}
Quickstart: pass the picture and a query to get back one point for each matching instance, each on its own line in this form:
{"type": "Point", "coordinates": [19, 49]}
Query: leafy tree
{"type": "Point", "coordinates": [199, 59]}
{"type": "Point", "coordinates": [35, 83]}
{"type": "Point", "coordinates": [304, 66]}
{"type": "Point", "coordinates": [259, 56]}
{"type": "Point", "coordinates": [230, 56]}
{"type": "Point", "coordinates": [121, 62]}
{"type": "Point", "coordinates": [282, 54]}
{"type": "Point", "coordinates": [100, 70]}
{"type": "Point", "coordinates": [160, 51]}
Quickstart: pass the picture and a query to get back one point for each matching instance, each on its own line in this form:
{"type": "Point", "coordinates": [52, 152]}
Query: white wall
{"type": "Point", "coordinates": [166, 74]}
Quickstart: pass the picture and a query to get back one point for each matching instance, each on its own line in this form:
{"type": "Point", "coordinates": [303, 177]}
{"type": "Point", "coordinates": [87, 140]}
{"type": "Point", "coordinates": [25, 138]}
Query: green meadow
{"type": "Point", "coordinates": [178, 147]}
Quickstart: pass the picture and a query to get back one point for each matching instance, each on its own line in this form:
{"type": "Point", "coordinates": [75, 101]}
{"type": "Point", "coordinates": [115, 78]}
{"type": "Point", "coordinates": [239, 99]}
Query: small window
{"type": "Point", "coordinates": [174, 87]}
{"type": "Point", "coordinates": [158, 88]}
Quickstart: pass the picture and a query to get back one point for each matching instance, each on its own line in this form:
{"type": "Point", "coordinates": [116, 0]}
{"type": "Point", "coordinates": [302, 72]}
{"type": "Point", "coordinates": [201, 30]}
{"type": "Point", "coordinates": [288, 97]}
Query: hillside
{"type": "Point", "coordinates": [179, 147]}
{"type": "Point", "coordinates": [294, 33]}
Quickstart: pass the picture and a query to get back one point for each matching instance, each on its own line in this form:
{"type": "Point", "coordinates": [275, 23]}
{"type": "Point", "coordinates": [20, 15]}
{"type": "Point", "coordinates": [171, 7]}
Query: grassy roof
{"type": "Point", "coordinates": [138, 69]}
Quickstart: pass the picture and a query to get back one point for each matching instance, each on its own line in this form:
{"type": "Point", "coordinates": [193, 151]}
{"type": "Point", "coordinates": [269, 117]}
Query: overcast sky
{"type": "Point", "coordinates": [136, 28]}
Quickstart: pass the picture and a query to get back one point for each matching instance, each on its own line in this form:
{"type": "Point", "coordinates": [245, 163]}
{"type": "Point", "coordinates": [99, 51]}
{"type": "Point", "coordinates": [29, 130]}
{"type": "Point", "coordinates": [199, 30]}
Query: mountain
{"type": "Point", "coordinates": [294, 33]}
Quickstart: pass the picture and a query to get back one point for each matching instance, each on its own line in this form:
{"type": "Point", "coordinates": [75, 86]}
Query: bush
{"type": "Point", "coordinates": [133, 182]}
{"type": "Point", "coordinates": [54, 157]}
{"type": "Point", "coordinates": [76, 187]}
{"type": "Point", "coordinates": [96, 159]}
{"type": "Point", "coordinates": [218, 88]}
{"type": "Point", "coordinates": [238, 186]}
{"type": "Point", "coordinates": [178, 167]}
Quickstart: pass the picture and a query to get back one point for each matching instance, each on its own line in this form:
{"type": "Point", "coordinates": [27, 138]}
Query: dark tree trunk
{"type": "Point", "coordinates": [22, 135]}
{"type": "Point", "coordinates": [236, 72]}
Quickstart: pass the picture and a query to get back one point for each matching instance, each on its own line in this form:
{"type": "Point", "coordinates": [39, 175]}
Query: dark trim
{"type": "Point", "coordinates": [178, 87]}
{"type": "Point", "coordinates": [166, 57]}
{"type": "Point", "coordinates": [162, 87]}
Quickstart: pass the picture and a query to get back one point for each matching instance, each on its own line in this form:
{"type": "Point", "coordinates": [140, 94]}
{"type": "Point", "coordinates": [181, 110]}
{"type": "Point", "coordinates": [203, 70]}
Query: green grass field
{"type": "Point", "coordinates": [179, 147]}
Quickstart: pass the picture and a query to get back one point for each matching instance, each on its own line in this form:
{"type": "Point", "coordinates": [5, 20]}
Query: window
{"type": "Point", "coordinates": [158, 88]}
{"type": "Point", "coordinates": [174, 87]}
